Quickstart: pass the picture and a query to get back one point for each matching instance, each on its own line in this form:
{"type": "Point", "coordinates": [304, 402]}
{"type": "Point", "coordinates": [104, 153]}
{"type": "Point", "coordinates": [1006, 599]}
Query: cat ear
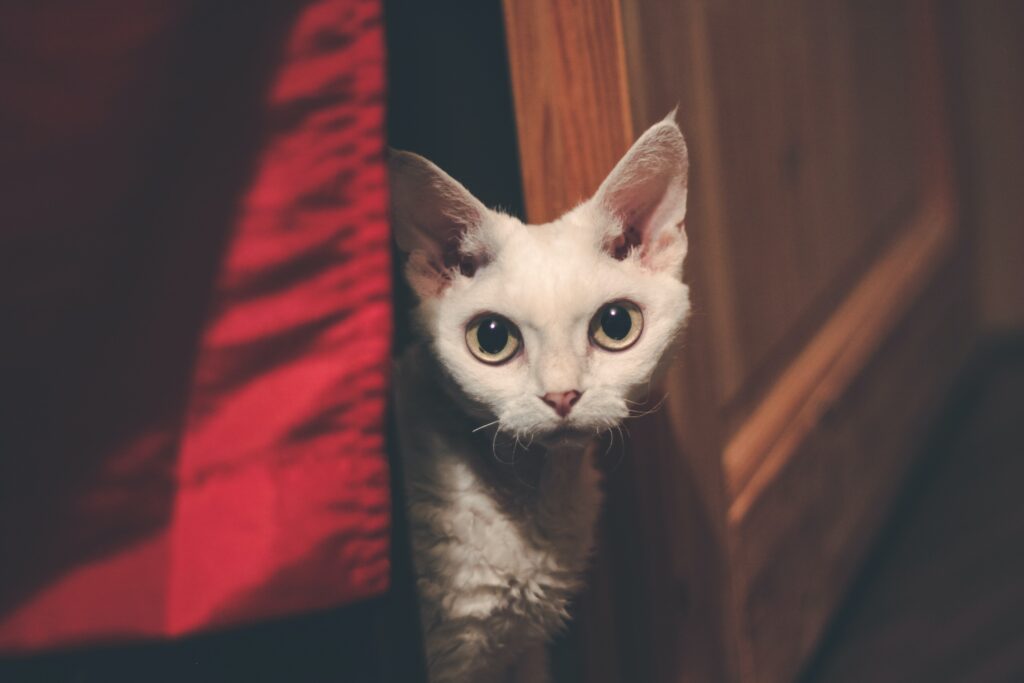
{"type": "Point", "coordinates": [436, 223]}
{"type": "Point", "coordinates": [646, 194]}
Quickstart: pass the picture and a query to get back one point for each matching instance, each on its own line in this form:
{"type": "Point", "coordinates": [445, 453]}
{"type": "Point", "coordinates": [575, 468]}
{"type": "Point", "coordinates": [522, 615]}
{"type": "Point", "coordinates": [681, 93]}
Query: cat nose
{"type": "Point", "coordinates": [561, 401]}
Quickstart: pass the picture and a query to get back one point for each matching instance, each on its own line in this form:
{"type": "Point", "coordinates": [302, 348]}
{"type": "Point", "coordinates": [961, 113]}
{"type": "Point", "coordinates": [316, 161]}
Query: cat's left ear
{"type": "Point", "coordinates": [646, 194]}
{"type": "Point", "coordinates": [437, 223]}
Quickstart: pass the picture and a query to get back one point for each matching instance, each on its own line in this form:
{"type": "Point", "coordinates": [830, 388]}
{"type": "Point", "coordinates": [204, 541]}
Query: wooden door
{"type": "Point", "coordinates": [829, 296]}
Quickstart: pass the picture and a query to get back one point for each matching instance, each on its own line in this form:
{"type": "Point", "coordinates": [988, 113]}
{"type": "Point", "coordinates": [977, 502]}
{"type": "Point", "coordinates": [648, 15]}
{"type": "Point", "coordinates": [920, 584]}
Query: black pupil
{"type": "Point", "coordinates": [615, 322]}
{"type": "Point", "coordinates": [492, 335]}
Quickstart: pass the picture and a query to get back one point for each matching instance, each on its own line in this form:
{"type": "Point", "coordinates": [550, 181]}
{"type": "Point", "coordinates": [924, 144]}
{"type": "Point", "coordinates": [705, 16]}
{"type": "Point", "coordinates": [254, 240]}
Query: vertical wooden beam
{"type": "Point", "coordinates": [568, 67]}
{"type": "Point", "coordinates": [573, 117]}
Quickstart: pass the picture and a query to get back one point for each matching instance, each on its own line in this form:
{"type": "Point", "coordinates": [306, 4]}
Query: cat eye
{"type": "Point", "coordinates": [492, 338]}
{"type": "Point", "coordinates": [617, 325]}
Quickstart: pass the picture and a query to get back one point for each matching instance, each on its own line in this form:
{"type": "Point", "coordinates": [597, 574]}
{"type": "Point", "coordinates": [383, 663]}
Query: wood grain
{"type": "Point", "coordinates": [798, 547]}
{"type": "Point", "coordinates": [990, 107]}
{"type": "Point", "coordinates": [830, 304]}
{"type": "Point", "coordinates": [813, 470]}
{"type": "Point", "coordinates": [906, 258]}
{"type": "Point", "coordinates": [834, 358]}
{"type": "Point", "coordinates": [804, 154]}
{"type": "Point", "coordinates": [571, 99]}
{"type": "Point", "coordinates": [941, 598]}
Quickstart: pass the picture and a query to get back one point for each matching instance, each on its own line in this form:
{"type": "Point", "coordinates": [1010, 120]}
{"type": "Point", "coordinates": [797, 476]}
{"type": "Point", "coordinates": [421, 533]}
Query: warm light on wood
{"type": "Point", "coordinates": [572, 105]}
{"type": "Point", "coordinates": [827, 273]}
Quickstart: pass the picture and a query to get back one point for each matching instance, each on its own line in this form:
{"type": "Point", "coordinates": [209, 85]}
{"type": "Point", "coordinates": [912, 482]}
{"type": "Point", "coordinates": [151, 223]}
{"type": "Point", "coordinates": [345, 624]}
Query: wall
{"type": "Point", "coordinates": [986, 60]}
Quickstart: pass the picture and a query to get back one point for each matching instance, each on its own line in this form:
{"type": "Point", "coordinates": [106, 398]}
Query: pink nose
{"type": "Point", "coordinates": [561, 401]}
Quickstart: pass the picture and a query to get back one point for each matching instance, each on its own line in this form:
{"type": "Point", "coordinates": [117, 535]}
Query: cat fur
{"type": "Point", "coordinates": [502, 492]}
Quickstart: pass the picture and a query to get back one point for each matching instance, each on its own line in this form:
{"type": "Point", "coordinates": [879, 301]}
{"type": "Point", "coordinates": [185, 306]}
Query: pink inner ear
{"type": "Point", "coordinates": [466, 264]}
{"type": "Point", "coordinates": [624, 243]}
{"type": "Point", "coordinates": [453, 257]}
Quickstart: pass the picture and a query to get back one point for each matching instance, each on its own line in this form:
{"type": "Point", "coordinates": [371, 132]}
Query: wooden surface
{"type": "Point", "coordinates": [802, 114]}
{"type": "Point", "coordinates": [831, 299]}
{"type": "Point", "coordinates": [832, 359]}
{"type": "Point", "coordinates": [796, 548]}
{"type": "Point", "coordinates": [827, 223]}
{"type": "Point", "coordinates": [989, 103]}
{"type": "Point", "coordinates": [572, 107]}
{"type": "Point", "coordinates": [942, 598]}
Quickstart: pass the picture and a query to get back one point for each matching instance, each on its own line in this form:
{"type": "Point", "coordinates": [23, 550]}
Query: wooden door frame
{"type": "Point", "coordinates": [753, 476]}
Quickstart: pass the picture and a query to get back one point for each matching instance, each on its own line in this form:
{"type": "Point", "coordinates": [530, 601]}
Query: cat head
{"type": "Point", "coordinates": [553, 330]}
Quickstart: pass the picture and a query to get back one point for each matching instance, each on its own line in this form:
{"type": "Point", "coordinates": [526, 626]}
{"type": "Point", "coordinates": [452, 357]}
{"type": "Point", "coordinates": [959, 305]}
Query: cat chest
{"type": "Point", "coordinates": [484, 563]}
{"type": "Point", "coordinates": [520, 551]}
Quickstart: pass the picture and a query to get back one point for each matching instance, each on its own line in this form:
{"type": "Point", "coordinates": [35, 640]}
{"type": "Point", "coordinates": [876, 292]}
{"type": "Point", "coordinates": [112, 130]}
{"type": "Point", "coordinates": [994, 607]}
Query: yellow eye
{"type": "Point", "coordinates": [492, 338]}
{"type": "Point", "coordinates": [617, 325]}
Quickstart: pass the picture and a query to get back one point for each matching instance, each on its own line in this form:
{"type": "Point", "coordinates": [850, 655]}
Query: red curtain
{"type": "Point", "coordinates": [194, 256]}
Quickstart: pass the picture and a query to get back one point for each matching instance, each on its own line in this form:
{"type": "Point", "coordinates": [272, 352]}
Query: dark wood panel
{"type": "Point", "coordinates": [811, 158]}
{"type": "Point", "coordinates": [825, 259]}
{"type": "Point", "coordinates": [797, 547]}
{"type": "Point", "coordinates": [989, 103]}
{"type": "Point", "coordinates": [942, 599]}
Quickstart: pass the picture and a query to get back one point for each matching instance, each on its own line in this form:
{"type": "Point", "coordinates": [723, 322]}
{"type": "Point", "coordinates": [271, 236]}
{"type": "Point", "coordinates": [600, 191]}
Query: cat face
{"type": "Point", "coordinates": [552, 330]}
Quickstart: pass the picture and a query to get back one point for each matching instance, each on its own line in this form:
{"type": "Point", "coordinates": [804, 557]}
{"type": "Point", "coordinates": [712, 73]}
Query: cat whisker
{"type": "Point", "coordinates": [622, 450]}
{"type": "Point", "coordinates": [518, 475]}
{"type": "Point", "coordinates": [494, 449]}
{"type": "Point", "coordinates": [486, 425]}
{"type": "Point", "coordinates": [657, 406]}
{"type": "Point", "coordinates": [646, 397]}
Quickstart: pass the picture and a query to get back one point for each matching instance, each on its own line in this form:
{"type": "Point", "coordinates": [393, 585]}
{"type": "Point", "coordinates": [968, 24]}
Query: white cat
{"type": "Point", "coordinates": [538, 338]}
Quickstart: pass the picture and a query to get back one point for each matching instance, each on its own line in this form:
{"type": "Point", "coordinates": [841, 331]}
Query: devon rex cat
{"type": "Point", "coordinates": [535, 340]}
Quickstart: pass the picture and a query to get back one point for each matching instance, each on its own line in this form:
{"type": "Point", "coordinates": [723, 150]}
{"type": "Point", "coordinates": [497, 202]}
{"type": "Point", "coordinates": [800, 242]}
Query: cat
{"type": "Point", "coordinates": [535, 340]}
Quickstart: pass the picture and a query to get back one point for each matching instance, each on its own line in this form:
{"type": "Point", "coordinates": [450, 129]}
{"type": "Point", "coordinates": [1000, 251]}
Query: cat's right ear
{"type": "Point", "coordinates": [436, 223]}
{"type": "Point", "coordinates": [646, 194]}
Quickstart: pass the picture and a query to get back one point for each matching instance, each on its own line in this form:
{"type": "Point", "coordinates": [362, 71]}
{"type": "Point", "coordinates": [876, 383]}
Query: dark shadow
{"type": "Point", "coordinates": [936, 599]}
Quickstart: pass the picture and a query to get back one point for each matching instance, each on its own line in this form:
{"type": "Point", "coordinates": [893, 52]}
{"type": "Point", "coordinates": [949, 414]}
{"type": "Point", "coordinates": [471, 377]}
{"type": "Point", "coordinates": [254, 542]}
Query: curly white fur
{"type": "Point", "coordinates": [502, 491]}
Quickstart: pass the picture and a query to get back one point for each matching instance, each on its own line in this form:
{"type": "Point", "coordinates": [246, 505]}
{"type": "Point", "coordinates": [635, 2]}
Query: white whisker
{"type": "Point", "coordinates": [486, 426]}
{"type": "Point", "coordinates": [622, 451]}
{"type": "Point", "coordinates": [657, 406]}
{"type": "Point", "coordinates": [494, 450]}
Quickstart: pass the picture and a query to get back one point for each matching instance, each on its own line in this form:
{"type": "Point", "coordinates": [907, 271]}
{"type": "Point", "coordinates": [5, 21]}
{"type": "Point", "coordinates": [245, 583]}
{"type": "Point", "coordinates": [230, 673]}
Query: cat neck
{"type": "Point", "coordinates": [535, 472]}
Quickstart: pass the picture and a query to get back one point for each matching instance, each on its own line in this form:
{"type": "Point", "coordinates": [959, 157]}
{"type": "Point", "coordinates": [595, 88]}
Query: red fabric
{"type": "Point", "coordinates": [196, 307]}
